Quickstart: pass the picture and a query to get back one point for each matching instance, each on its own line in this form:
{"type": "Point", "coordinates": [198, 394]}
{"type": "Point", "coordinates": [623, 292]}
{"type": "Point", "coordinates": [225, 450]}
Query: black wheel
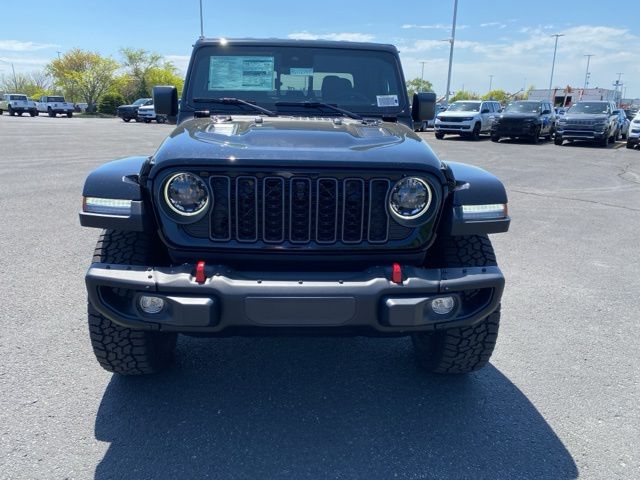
{"type": "Point", "coordinates": [127, 120]}
{"type": "Point", "coordinates": [459, 350]}
{"type": "Point", "coordinates": [495, 138]}
{"type": "Point", "coordinates": [119, 349]}
{"type": "Point", "coordinates": [549, 135]}
{"type": "Point", "coordinates": [146, 120]}
{"type": "Point", "coordinates": [50, 112]}
{"type": "Point", "coordinates": [557, 140]}
{"type": "Point", "coordinates": [0, 112]}
{"type": "Point", "coordinates": [11, 112]}
{"type": "Point", "coordinates": [475, 134]}
{"type": "Point", "coordinates": [604, 143]}
{"type": "Point", "coordinates": [439, 135]}
{"type": "Point", "coordinates": [535, 138]}
{"type": "Point", "coordinates": [69, 114]}
{"type": "Point", "coordinates": [629, 145]}
{"type": "Point", "coordinates": [20, 114]}
{"type": "Point", "coordinates": [33, 113]}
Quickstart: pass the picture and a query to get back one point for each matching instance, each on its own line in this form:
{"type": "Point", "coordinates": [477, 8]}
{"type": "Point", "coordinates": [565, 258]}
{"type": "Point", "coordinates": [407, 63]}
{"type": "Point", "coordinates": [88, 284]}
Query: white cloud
{"type": "Point", "coordinates": [18, 46]}
{"type": "Point", "coordinates": [344, 36]}
{"type": "Point", "coordinates": [494, 24]}
{"type": "Point", "coordinates": [180, 61]}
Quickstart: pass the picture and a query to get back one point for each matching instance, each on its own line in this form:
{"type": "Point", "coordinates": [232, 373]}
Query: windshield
{"type": "Point", "coordinates": [589, 107]}
{"type": "Point", "coordinates": [56, 99]}
{"type": "Point", "coordinates": [464, 107]}
{"type": "Point", "coordinates": [142, 101]}
{"type": "Point", "coordinates": [357, 80]}
{"type": "Point", "coordinates": [523, 107]}
{"type": "Point", "coordinates": [17, 97]}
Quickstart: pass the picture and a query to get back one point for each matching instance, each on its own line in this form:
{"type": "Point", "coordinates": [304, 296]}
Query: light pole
{"type": "Point", "coordinates": [553, 63]}
{"type": "Point", "coordinates": [15, 81]}
{"type": "Point", "coordinates": [490, 82]}
{"type": "Point", "coordinates": [422, 75]}
{"type": "Point", "coordinates": [201, 22]}
{"type": "Point", "coordinates": [452, 41]}
{"type": "Point", "coordinates": [618, 85]}
{"type": "Point", "coordinates": [586, 75]}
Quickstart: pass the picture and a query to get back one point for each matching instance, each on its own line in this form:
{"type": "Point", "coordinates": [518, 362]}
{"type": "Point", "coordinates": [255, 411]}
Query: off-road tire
{"type": "Point", "coordinates": [558, 140]}
{"type": "Point", "coordinates": [535, 138]}
{"type": "Point", "coordinates": [1, 112]}
{"type": "Point", "coordinates": [630, 145]}
{"type": "Point", "coordinates": [439, 135]}
{"type": "Point", "coordinates": [120, 349]}
{"type": "Point", "coordinates": [465, 349]}
{"type": "Point", "coordinates": [69, 114]}
{"type": "Point", "coordinates": [495, 138]}
{"type": "Point", "coordinates": [11, 112]}
{"type": "Point", "coordinates": [126, 120]}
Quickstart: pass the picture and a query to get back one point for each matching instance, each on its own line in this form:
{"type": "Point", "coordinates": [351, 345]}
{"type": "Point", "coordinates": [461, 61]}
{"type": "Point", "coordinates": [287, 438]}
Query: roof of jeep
{"type": "Point", "coordinates": [280, 42]}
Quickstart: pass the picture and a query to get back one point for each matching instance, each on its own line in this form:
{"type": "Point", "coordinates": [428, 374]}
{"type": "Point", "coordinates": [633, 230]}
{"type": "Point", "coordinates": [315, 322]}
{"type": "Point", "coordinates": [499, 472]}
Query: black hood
{"type": "Point", "coordinates": [586, 116]}
{"type": "Point", "coordinates": [295, 142]}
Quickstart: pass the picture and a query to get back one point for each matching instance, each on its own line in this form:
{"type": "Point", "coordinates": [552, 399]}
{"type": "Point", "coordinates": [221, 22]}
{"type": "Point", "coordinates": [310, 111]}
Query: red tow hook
{"type": "Point", "coordinates": [200, 275]}
{"type": "Point", "coordinates": [396, 274]}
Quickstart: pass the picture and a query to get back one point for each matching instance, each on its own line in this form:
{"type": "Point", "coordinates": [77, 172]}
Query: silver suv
{"type": "Point", "coordinates": [468, 118]}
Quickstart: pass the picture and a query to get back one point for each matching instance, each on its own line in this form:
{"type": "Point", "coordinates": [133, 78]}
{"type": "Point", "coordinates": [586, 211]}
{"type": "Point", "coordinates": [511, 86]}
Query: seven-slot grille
{"type": "Point", "coordinates": [300, 210]}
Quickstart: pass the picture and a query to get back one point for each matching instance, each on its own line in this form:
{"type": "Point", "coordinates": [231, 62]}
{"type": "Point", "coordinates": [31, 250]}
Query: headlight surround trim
{"type": "Point", "coordinates": [418, 217]}
{"type": "Point", "coordinates": [174, 210]}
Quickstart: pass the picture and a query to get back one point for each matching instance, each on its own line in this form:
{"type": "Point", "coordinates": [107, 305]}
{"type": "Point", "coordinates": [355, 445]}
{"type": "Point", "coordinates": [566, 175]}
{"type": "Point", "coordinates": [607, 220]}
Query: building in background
{"type": "Point", "coordinates": [565, 97]}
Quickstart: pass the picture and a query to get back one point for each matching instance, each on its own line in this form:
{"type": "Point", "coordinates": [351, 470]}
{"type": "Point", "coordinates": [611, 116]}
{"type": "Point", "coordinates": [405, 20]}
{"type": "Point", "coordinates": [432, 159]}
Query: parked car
{"type": "Point", "coordinates": [130, 112]}
{"type": "Point", "coordinates": [424, 126]}
{"type": "Point", "coordinates": [17, 104]}
{"type": "Point", "coordinates": [633, 138]}
{"type": "Point", "coordinates": [147, 113]}
{"type": "Point", "coordinates": [53, 105]}
{"type": "Point", "coordinates": [623, 125]}
{"type": "Point", "coordinates": [528, 119]}
{"type": "Point", "coordinates": [308, 217]}
{"type": "Point", "coordinates": [591, 121]}
{"type": "Point", "coordinates": [467, 118]}
{"type": "Point", "coordinates": [630, 113]}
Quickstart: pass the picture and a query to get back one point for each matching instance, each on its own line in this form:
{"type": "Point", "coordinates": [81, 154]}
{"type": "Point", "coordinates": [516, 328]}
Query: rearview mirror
{"type": "Point", "coordinates": [424, 106]}
{"type": "Point", "coordinates": [165, 100]}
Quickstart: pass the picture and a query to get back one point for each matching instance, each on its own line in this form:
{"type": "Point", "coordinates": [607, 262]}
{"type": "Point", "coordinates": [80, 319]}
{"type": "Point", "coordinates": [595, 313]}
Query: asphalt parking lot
{"type": "Point", "coordinates": [559, 400]}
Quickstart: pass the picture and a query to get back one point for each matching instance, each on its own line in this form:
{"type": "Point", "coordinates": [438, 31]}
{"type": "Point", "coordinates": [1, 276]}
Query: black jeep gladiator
{"type": "Point", "coordinates": [293, 197]}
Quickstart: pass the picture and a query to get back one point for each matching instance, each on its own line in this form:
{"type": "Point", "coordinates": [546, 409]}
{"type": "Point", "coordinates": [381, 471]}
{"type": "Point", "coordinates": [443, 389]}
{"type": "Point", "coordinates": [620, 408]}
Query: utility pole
{"type": "Point", "coordinates": [618, 85]}
{"type": "Point", "coordinates": [586, 75]}
{"type": "Point", "coordinates": [490, 82]}
{"type": "Point", "coordinates": [15, 80]}
{"type": "Point", "coordinates": [553, 63]}
{"type": "Point", "coordinates": [452, 41]}
{"type": "Point", "coordinates": [201, 22]}
{"type": "Point", "coordinates": [422, 75]}
{"type": "Point", "coordinates": [58, 52]}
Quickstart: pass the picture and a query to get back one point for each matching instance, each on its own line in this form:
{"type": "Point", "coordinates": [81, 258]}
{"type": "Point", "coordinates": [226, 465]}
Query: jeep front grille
{"type": "Point", "coordinates": [300, 210]}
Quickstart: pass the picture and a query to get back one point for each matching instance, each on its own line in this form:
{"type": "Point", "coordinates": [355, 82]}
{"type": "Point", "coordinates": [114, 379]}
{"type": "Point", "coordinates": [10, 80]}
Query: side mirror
{"type": "Point", "coordinates": [485, 110]}
{"type": "Point", "coordinates": [165, 100]}
{"type": "Point", "coordinates": [546, 112]}
{"type": "Point", "coordinates": [423, 107]}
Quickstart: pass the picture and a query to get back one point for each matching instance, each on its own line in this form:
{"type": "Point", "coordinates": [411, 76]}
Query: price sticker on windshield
{"type": "Point", "coordinates": [387, 100]}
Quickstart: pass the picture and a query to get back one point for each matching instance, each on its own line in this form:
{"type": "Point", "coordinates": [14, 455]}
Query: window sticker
{"type": "Point", "coordinates": [307, 72]}
{"type": "Point", "coordinates": [241, 73]}
{"type": "Point", "coordinates": [387, 100]}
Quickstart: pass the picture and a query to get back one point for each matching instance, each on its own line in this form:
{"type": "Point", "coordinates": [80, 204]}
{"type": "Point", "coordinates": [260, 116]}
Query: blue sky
{"type": "Point", "coordinates": [507, 39]}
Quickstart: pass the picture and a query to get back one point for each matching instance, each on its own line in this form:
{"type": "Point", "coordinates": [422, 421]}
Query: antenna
{"type": "Point", "coordinates": [201, 22]}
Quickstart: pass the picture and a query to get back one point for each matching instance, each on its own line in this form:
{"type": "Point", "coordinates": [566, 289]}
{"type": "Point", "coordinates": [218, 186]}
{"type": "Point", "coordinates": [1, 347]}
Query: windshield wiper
{"type": "Point", "coordinates": [236, 101]}
{"type": "Point", "coordinates": [320, 105]}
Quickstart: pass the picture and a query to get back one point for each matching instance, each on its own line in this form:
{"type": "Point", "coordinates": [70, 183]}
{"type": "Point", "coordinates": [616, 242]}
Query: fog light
{"type": "Point", "coordinates": [443, 305]}
{"type": "Point", "coordinates": [151, 304]}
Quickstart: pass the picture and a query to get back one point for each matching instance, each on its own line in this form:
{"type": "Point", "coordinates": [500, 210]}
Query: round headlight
{"type": "Point", "coordinates": [186, 194]}
{"type": "Point", "coordinates": [410, 197]}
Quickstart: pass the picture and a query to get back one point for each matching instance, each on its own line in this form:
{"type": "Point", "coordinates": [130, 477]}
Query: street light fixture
{"type": "Point", "coordinates": [553, 63]}
{"type": "Point", "coordinates": [452, 41]}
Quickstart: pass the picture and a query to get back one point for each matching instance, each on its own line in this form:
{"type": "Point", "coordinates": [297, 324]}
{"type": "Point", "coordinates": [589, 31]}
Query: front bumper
{"type": "Point", "coordinates": [231, 301]}
{"type": "Point", "coordinates": [514, 130]}
{"type": "Point", "coordinates": [454, 127]}
{"type": "Point", "coordinates": [574, 134]}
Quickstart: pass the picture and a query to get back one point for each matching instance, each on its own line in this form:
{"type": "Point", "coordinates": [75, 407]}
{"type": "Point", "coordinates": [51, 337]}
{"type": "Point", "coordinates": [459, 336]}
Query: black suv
{"type": "Point", "coordinates": [592, 121]}
{"type": "Point", "coordinates": [525, 119]}
{"type": "Point", "coordinates": [130, 112]}
{"type": "Point", "coordinates": [293, 197]}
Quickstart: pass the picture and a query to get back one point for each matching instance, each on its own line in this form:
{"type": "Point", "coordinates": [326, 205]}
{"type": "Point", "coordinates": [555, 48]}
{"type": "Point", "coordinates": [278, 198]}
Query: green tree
{"type": "Point", "coordinates": [464, 95]}
{"type": "Point", "coordinates": [138, 63]}
{"type": "Point", "coordinates": [418, 85]}
{"type": "Point", "coordinates": [33, 84]}
{"type": "Point", "coordinates": [109, 102]}
{"type": "Point", "coordinates": [84, 74]}
{"type": "Point", "coordinates": [498, 95]}
{"type": "Point", "coordinates": [167, 74]}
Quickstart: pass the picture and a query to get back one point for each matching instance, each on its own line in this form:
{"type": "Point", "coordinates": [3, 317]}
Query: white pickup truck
{"type": "Point", "coordinates": [17, 103]}
{"type": "Point", "coordinates": [53, 105]}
